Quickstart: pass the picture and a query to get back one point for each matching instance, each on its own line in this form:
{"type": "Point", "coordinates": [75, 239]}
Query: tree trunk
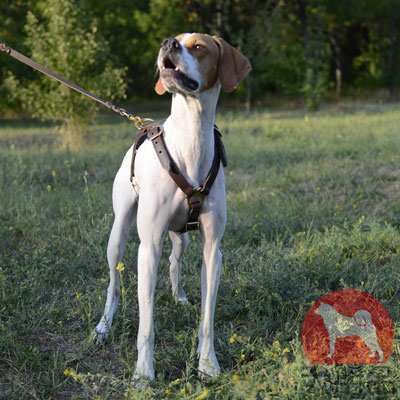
{"type": "Point", "coordinates": [248, 100]}
{"type": "Point", "coordinates": [390, 80]}
{"type": "Point", "coordinates": [304, 28]}
{"type": "Point", "coordinates": [219, 12]}
{"type": "Point", "coordinates": [337, 56]}
{"type": "Point", "coordinates": [73, 133]}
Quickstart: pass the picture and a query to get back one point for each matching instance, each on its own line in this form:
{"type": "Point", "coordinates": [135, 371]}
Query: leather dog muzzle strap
{"type": "Point", "coordinates": [195, 196]}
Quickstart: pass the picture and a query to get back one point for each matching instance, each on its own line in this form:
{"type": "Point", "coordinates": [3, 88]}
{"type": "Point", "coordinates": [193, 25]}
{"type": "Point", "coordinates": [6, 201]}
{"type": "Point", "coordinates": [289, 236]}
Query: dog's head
{"type": "Point", "coordinates": [193, 62]}
{"type": "Point", "coordinates": [323, 308]}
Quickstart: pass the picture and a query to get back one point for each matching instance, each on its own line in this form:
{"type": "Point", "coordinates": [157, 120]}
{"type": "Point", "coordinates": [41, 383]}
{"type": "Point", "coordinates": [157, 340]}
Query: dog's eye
{"type": "Point", "coordinates": [198, 46]}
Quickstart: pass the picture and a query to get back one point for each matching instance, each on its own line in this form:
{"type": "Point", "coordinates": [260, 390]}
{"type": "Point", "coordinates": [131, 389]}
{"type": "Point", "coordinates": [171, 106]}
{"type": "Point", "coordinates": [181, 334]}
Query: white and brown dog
{"type": "Point", "coordinates": [192, 67]}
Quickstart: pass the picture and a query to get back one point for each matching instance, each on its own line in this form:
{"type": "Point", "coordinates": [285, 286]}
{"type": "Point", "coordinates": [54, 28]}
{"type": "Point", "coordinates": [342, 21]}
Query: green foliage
{"type": "Point", "coordinates": [9, 93]}
{"type": "Point", "coordinates": [349, 44]}
{"type": "Point", "coordinates": [313, 88]}
{"type": "Point", "coordinates": [12, 22]}
{"type": "Point", "coordinates": [276, 52]}
{"type": "Point", "coordinates": [67, 41]}
{"type": "Point", "coordinates": [313, 206]}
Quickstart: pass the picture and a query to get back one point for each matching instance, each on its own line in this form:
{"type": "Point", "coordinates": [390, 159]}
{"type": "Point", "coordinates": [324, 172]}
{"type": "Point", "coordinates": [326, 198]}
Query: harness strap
{"type": "Point", "coordinates": [140, 138]}
{"type": "Point", "coordinates": [195, 196]}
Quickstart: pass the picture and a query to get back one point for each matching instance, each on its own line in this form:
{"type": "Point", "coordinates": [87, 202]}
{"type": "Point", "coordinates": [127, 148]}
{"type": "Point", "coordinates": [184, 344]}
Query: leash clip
{"type": "Point", "coordinates": [4, 47]}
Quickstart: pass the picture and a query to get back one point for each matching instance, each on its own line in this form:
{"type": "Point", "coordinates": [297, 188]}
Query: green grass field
{"type": "Point", "coordinates": [313, 207]}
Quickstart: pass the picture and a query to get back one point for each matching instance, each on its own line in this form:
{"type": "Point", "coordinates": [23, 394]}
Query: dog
{"type": "Point", "coordinates": [192, 67]}
{"type": "Point", "coordinates": [339, 326]}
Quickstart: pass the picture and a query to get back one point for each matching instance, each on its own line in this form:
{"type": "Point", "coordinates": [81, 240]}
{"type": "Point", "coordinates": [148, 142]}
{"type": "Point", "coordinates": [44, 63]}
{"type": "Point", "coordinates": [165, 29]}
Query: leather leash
{"type": "Point", "coordinates": [153, 131]}
{"type": "Point", "coordinates": [33, 64]}
{"type": "Point", "coordinates": [195, 196]}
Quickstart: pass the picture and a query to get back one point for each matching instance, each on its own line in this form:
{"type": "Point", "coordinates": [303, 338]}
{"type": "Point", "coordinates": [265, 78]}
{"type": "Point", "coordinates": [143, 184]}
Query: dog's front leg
{"type": "Point", "coordinates": [211, 269]}
{"type": "Point", "coordinates": [332, 340]}
{"type": "Point", "coordinates": [148, 258]}
{"type": "Point", "coordinates": [213, 225]}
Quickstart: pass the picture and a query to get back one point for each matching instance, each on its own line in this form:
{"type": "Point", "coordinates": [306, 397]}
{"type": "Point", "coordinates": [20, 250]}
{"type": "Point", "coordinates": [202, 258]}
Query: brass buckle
{"type": "Point", "coordinates": [192, 226]}
{"type": "Point", "coordinates": [157, 135]}
{"type": "Point", "coordinates": [197, 193]}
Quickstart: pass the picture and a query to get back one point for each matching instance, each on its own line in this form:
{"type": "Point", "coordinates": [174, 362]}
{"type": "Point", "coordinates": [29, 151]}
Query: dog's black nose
{"type": "Point", "coordinates": [170, 44]}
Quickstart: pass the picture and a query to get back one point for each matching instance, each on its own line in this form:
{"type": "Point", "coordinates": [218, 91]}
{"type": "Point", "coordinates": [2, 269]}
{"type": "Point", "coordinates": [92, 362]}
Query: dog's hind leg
{"type": "Point", "coordinates": [125, 206]}
{"type": "Point", "coordinates": [179, 244]}
{"type": "Point", "coordinates": [370, 339]}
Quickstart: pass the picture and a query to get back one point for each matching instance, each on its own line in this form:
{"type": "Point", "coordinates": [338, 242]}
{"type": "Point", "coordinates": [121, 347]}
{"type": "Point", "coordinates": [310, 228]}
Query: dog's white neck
{"type": "Point", "coordinates": [189, 133]}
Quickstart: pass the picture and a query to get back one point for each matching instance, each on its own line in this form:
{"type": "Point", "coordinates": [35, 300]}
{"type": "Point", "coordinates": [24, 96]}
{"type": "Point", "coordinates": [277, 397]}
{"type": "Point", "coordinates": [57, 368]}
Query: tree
{"type": "Point", "coordinates": [12, 21]}
{"type": "Point", "coordinates": [297, 47]}
{"type": "Point", "coordinates": [67, 41]}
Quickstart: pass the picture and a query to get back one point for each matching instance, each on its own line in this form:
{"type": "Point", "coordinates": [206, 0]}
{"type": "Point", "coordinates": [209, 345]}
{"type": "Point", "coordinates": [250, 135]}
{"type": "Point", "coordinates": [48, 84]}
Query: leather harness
{"type": "Point", "coordinates": [195, 196]}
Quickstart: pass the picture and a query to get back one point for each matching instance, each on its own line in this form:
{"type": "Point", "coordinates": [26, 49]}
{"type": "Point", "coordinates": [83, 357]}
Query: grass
{"type": "Point", "coordinates": [313, 207]}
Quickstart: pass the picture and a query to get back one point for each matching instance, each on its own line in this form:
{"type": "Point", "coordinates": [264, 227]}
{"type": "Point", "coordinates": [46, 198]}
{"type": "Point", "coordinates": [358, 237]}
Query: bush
{"type": "Point", "coordinates": [67, 41]}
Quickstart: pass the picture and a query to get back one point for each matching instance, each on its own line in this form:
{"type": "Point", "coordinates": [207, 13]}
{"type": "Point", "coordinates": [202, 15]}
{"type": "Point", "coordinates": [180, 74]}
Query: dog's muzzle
{"type": "Point", "coordinates": [170, 55]}
{"type": "Point", "coordinates": [170, 44]}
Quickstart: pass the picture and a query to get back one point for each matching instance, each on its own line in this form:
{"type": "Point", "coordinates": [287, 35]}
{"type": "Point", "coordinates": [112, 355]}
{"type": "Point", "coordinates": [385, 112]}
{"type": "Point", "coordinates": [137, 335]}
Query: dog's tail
{"type": "Point", "coordinates": [363, 318]}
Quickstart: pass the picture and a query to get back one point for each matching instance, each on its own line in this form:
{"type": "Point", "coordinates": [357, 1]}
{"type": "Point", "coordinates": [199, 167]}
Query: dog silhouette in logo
{"type": "Point", "coordinates": [339, 326]}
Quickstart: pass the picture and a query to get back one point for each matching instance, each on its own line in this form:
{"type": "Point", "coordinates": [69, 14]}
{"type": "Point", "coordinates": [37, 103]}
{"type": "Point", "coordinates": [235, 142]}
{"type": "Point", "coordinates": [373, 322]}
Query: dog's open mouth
{"type": "Point", "coordinates": [169, 69]}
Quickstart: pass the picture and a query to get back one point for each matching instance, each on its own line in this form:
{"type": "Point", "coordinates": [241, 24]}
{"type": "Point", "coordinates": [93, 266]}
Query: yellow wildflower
{"type": "Point", "coordinates": [203, 395]}
{"type": "Point", "coordinates": [120, 266]}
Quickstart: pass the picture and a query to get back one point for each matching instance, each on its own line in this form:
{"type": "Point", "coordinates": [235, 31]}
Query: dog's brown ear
{"type": "Point", "coordinates": [233, 66]}
{"type": "Point", "coordinates": [160, 89]}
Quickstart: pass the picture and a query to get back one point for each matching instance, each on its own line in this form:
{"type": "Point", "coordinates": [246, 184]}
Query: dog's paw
{"type": "Point", "coordinates": [99, 338]}
{"type": "Point", "coordinates": [140, 382]}
{"type": "Point", "coordinates": [180, 297]}
{"type": "Point", "coordinates": [209, 369]}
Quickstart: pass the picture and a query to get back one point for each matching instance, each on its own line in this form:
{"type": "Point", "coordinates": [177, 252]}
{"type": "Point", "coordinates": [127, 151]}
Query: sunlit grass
{"type": "Point", "coordinates": [313, 207]}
